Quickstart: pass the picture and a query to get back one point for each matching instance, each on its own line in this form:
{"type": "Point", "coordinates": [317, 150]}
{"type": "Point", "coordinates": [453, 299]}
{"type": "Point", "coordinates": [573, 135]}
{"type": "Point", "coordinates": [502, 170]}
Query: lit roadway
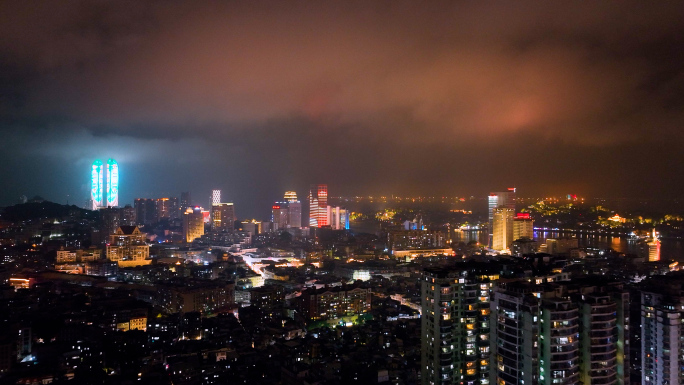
{"type": "Point", "coordinates": [253, 261]}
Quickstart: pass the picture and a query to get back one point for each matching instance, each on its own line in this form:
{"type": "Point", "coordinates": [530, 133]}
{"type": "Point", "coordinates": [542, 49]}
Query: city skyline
{"type": "Point", "coordinates": [493, 200]}
{"type": "Point", "coordinates": [336, 193]}
{"type": "Point", "coordinates": [412, 99]}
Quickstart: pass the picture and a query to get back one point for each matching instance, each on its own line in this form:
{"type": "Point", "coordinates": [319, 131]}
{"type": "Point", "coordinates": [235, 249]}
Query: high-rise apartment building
{"type": "Point", "coordinates": [145, 211]}
{"type": "Point", "coordinates": [193, 224]}
{"type": "Point", "coordinates": [514, 334]}
{"type": "Point", "coordinates": [222, 217]}
{"type": "Point", "coordinates": [167, 208]}
{"type": "Point", "coordinates": [338, 218]}
{"type": "Point", "coordinates": [604, 336]}
{"type": "Point", "coordinates": [523, 227]}
{"type": "Point", "coordinates": [185, 201]}
{"type": "Point", "coordinates": [294, 209]}
{"type": "Point", "coordinates": [662, 331]}
{"type": "Point", "coordinates": [560, 333]}
{"type": "Point", "coordinates": [502, 228]}
{"type": "Point", "coordinates": [504, 199]}
{"type": "Point", "coordinates": [294, 212]}
{"type": "Point", "coordinates": [215, 197]}
{"type": "Point", "coordinates": [280, 215]}
{"type": "Point", "coordinates": [151, 211]}
{"type": "Point", "coordinates": [128, 216]}
{"type": "Point", "coordinates": [558, 341]}
{"type": "Point", "coordinates": [110, 220]}
{"type": "Point", "coordinates": [318, 205]}
{"type": "Point", "coordinates": [287, 214]}
{"type": "Point", "coordinates": [455, 339]}
{"type": "Point", "coordinates": [581, 339]}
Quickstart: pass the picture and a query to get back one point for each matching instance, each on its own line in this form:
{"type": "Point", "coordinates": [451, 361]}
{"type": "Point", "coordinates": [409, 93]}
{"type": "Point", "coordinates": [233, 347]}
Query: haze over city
{"type": "Point", "coordinates": [414, 98]}
{"type": "Point", "coordinates": [341, 192]}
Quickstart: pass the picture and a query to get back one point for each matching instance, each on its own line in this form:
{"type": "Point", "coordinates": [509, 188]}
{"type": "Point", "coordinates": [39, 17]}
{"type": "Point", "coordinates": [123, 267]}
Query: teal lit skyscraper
{"type": "Point", "coordinates": [112, 183]}
{"type": "Point", "coordinates": [97, 181]}
{"type": "Point", "coordinates": [104, 179]}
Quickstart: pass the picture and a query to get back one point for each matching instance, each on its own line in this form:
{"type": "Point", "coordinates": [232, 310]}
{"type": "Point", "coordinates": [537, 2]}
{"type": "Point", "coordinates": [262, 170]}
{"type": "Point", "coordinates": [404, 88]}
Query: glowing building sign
{"type": "Point", "coordinates": [112, 183]}
{"type": "Point", "coordinates": [96, 184]}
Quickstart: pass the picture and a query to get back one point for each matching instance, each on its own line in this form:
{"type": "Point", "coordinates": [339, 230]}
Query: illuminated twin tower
{"type": "Point", "coordinates": [104, 190]}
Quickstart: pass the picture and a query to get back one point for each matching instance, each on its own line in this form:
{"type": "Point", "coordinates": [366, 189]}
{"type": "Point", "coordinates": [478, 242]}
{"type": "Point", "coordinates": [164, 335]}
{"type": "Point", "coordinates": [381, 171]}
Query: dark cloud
{"type": "Point", "coordinates": [405, 97]}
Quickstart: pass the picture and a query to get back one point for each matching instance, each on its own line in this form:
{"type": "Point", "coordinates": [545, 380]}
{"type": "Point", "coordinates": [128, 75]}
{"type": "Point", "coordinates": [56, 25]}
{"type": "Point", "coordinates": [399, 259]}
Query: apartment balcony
{"type": "Point", "coordinates": [610, 348]}
{"type": "Point", "coordinates": [609, 365]}
{"type": "Point", "coordinates": [603, 317]}
{"type": "Point", "coordinates": [603, 308]}
{"type": "Point", "coordinates": [603, 373]}
{"type": "Point", "coordinates": [603, 341]}
{"type": "Point", "coordinates": [565, 365]}
{"type": "Point", "coordinates": [559, 357]}
{"type": "Point", "coordinates": [510, 347]}
{"type": "Point", "coordinates": [573, 347]}
{"type": "Point", "coordinates": [595, 326]}
{"type": "Point", "coordinates": [563, 332]}
{"type": "Point", "coordinates": [511, 352]}
{"type": "Point", "coordinates": [508, 331]}
{"type": "Point", "coordinates": [603, 381]}
{"type": "Point", "coordinates": [573, 379]}
{"type": "Point", "coordinates": [602, 356]}
{"type": "Point", "coordinates": [508, 322]}
{"type": "Point", "coordinates": [601, 333]}
{"type": "Point", "coordinates": [564, 323]}
{"type": "Point", "coordinates": [568, 315]}
{"type": "Point", "coordinates": [569, 372]}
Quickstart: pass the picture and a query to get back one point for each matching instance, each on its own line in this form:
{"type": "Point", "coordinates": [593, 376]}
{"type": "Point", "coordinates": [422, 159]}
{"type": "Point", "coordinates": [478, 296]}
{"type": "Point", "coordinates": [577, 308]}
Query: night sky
{"type": "Point", "coordinates": [396, 97]}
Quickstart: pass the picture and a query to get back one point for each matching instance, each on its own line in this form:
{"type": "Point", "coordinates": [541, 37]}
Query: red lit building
{"type": "Point", "coordinates": [318, 205]}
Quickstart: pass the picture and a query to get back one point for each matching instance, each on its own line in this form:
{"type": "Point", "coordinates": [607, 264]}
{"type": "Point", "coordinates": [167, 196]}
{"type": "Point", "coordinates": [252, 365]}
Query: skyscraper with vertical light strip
{"type": "Point", "coordinates": [318, 205]}
{"type": "Point", "coordinates": [104, 181]}
{"type": "Point", "coordinates": [97, 184]}
{"type": "Point", "coordinates": [112, 183]}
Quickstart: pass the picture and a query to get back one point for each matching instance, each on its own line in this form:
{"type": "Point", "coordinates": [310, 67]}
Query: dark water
{"type": "Point", "coordinates": [669, 248]}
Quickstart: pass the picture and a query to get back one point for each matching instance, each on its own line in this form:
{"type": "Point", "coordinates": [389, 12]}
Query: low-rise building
{"type": "Point", "coordinates": [332, 303]}
{"type": "Point", "coordinates": [128, 248]}
{"type": "Point", "coordinates": [198, 297]}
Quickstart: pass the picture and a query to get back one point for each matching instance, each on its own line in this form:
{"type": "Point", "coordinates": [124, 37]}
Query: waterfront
{"type": "Point", "coordinates": [670, 248]}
